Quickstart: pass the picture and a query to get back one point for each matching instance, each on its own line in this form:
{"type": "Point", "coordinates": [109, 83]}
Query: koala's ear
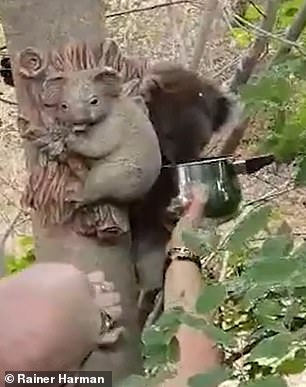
{"type": "Point", "coordinates": [51, 89]}
{"type": "Point", "coordinates": [110, 78]}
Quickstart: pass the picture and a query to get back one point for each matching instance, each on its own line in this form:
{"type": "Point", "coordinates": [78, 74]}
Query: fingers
{"type": "Point", "coordinates": [193, 215]}
{"type": "Point", "coordinates": [114, 311]}
{"type": "Point", "coordinates": [195, 211]}
{"type": "Point", "coordinates": [110, 337]}
{"type": "Point", "coordinates": [96, 277]}
{"type": "Point", "coordinates": [106, 298]}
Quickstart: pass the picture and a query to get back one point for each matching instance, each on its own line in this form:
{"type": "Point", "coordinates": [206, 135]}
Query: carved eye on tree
{"type": "Point", "coordinates": [64, 106]}
{"type": "Point", "coordinates": [94, 101]}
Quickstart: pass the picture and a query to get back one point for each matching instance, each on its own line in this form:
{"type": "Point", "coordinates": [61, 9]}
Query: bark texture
{"type": "Point", "coordinates": [44, 36]}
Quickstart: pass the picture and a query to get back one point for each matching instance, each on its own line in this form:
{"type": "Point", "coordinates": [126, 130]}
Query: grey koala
{"type": "Point", "coordinates": [111, 131]}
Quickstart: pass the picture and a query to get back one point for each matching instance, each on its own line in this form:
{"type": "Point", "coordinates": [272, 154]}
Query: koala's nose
{"type": "Point", "coordinates": [80, 114]}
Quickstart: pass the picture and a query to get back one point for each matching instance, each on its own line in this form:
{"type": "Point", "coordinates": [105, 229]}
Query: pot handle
{"type": "Point", "coordinates": [253, 164]}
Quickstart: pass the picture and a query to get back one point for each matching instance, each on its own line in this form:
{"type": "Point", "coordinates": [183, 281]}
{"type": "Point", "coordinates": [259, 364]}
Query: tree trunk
{"type": "Point", "coordinates": [44, 35]}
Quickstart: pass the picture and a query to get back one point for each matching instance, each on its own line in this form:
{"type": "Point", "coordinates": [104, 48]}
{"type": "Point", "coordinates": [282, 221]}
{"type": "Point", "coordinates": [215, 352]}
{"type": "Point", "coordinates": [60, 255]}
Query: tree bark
{"type": "Point", "coordinates": [45, 26]}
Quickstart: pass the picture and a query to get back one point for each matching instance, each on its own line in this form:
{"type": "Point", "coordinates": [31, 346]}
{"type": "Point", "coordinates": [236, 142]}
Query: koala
{"type": "Point", "coordinates": [112, 132]}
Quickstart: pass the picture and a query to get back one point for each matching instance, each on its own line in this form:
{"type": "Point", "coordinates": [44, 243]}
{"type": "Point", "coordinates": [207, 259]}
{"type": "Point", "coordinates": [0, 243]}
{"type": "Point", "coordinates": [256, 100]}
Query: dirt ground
{"type": "Point", "coordinates": [132, 33]}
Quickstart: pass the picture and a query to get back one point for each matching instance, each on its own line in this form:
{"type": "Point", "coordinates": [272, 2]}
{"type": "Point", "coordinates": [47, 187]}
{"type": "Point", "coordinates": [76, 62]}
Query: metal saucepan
{"type": "Point", "coordinates": [219, 174]}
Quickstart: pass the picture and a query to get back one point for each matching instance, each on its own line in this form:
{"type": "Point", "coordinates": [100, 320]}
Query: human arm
{"type": "Point", "coordinates": [183, 283]}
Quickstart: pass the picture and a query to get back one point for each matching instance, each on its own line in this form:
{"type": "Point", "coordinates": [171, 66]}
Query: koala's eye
{"type": "Point", "coordinates": [94, 101]}
{"type": "Point", "coordinates": [64, 106]}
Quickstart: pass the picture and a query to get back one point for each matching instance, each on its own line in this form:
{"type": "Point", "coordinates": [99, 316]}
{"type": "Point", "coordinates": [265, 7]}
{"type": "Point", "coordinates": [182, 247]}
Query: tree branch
{"type": "Point", "coordinates": [207, 20]}
{"type": "Point", "coordinates": [226, 141]}
{"type": "Point", "coordinates": [149, 8]}
{"type": "Point", "coordinates": [250, 60]}
{"type": "Point", "coordinates": [297, 27]}
{"type": "Point", "coordinates": [177, 37]}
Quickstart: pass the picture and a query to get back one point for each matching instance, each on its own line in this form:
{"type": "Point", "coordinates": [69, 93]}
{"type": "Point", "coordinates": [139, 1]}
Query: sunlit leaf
{"type": "Point", "coordinates": [274, 347]}
{"type": "Point", "coordinates": [212, 378]}
{"type": "Point", "coordinates": [272, 271]}
{"type": "Point", "coordinates": [277, 246]}
{"type": "Point", "coordinates": [218, 335]}
{"type": "Point", "coordinates": [292, 366]}
{"type": "Point", "coordinates": [248, 227]}
{"type": "Point", "coordinates": [211, 298]}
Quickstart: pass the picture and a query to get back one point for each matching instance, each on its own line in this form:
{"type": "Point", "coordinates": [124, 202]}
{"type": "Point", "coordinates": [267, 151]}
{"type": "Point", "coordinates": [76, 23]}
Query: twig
{"type": "Point", "coordinates": [248, 348]}
{"type": "Point", "coordinates": [226, 67]}
{"type": "Point", "coordinates": [294, 32]}
{"type": "Point", "coordinates": [177, 37]}
{"type": "Point", "coordinates": [149, 8]}
{"type": "Point", "coordinates": [250, 60]}
{"type": "Point", "coordinates": [257, 8]}
{"type": "Point", "coordinates": [3, 242]}
{"type": "Point", "coordinates": [156, 310]}
{"type": "Point", "coordinates": [272, 195]}
{"type": "Point", "coordinates": [4, 100]}
{"type": "Point", "coordinates": [259, 31]}
{"type": "Point", "coordinates": [207, 19]}
{"type": "Point", "coordinates": [223, 271]}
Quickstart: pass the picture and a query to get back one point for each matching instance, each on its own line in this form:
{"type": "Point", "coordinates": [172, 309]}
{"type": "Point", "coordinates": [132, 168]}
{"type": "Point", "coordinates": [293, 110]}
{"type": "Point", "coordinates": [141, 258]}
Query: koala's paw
{"type": "Point", "coordinates": [72, 141]}
{"type": "Point", "coordinates": [74, 193]}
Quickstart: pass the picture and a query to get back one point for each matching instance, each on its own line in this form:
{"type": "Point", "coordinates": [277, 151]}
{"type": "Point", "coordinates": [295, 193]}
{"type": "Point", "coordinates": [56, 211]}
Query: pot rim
{"type": "Point", "coordinates": [207, 160]}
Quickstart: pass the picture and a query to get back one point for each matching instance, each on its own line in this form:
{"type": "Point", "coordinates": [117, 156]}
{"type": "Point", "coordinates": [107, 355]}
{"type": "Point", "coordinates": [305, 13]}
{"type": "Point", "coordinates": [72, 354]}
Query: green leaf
{"type": "Point", "coordinates": [169, 320]}
{"type": "Point", "coordinates": [173, 350]}
{"type": "Point", "coordinates": [212, 378]}
{"type": "Point", "coordinates": [253, 222]}
{"type": "Point", "coordinates": [154, 337]}
{"type": "Point", "coordinates": [211, 298]}
{"type": "Point", "coordinates": [275, 89]}
{"type": "Point", "coordinates": [192, 321]}
{"type": "Point", "coordinates": [277, 246]}
{"type": "Point", "coordinates": [242, 37]}
{"type": "Point", "coordinates": [218, 335]}
{"type": "Point", "coordinates": [272, 271]}
{"type": "Point", "coordinates": [270, 381]}
{"type": "Point", "coordinates": [269, 308]}
{"type": "Point", "coordinates": [196, 241]}
{"type": "Point", "coordinates": [292, 366]}
{"type": "Point", "coordinates": [254, 293]}
{"type": "Point", "coordinates": [291, 312]}
{"type": "Point", "coordinates": [155, 356]}
{"type": "Point", "coordinates": [300, 252]}
{"type": "Point", "coordinates": [274, 347]}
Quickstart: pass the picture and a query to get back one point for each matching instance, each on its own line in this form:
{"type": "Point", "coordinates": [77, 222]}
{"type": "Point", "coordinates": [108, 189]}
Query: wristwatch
{"type": "Point", "coordinates": [181, 254]}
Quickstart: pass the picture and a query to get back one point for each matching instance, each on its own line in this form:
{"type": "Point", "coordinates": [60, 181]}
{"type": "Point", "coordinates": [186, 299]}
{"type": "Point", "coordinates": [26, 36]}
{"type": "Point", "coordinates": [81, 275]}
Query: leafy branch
{"type": "Point", "coordinates": [251, 58]}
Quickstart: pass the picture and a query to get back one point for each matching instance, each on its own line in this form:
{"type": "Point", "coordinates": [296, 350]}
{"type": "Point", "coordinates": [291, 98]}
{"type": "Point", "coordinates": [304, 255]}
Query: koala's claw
{"type": "Point", "coordinates": [73, 194]}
